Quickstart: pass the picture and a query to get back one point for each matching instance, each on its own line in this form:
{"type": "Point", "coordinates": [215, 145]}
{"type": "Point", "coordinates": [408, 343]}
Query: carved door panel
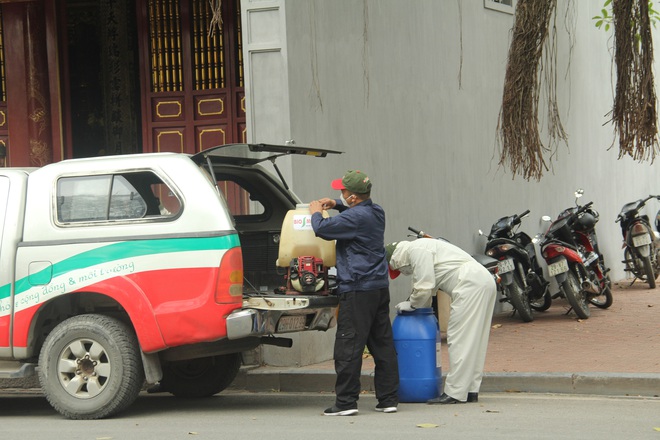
{"type": "Point", "coordinates": [192, 74]}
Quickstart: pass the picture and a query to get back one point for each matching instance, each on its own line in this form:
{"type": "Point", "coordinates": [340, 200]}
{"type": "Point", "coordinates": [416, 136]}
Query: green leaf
{"type": "Point", "coordinates": [607, 3]}
{"type": "Point", "coordinates": [607, 27]}
{"type": "Point", "coordinates": [599, 23]}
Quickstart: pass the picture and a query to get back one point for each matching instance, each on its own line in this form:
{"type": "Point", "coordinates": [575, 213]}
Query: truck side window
{"type": "Point", "coordinates": [83, 198]}
{"type": "Point", "coordinates": [114, 197]}
{"type": "Point", "coordinates": [125, 201]}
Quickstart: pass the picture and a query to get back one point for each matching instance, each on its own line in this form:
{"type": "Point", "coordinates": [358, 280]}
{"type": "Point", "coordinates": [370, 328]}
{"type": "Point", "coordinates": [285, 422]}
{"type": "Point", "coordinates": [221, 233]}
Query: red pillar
{"type": "Point", "coordinates": [28, 103]}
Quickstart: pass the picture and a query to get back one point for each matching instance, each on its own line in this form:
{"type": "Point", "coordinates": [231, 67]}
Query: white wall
{"type": "Point", "coordinates": [411, 91]}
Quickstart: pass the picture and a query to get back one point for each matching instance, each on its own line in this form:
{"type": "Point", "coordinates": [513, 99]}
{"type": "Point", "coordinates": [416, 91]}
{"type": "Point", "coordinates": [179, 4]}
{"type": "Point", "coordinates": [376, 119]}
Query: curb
{"type": "Point", "coordinates": [323, 381]}
{"type": "Point", "coordinates": [604, 384]}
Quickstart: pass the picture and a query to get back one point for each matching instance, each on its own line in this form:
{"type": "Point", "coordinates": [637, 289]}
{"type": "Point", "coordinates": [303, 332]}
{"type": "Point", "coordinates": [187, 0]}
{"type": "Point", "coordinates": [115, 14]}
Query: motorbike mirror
{"type": "Point", "coordinates": [579, 193]}
{"type": "Point", "coordinates": [480, 232]}
{"type": "Point", "coordinates": [546, 218]}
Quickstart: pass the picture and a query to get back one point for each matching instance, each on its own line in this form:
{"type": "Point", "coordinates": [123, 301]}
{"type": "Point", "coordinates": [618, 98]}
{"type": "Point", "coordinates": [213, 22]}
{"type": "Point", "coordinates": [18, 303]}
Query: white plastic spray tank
{"type": "Point", "coordinates": [306, 256]}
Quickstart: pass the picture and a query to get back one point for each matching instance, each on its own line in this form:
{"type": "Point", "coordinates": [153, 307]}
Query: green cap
{"type": "Point", "coordinates": [355, 181]}
{"type": "Point", "coordinates": [389, 250]}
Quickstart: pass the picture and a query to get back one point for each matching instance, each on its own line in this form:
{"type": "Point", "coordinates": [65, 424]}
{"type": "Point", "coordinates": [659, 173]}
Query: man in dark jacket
{"type": "Point", "coordinates": [363, 289]}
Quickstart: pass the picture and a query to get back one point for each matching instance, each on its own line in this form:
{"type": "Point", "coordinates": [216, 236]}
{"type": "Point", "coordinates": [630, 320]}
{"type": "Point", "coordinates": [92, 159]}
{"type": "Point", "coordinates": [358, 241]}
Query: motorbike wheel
{"type": "Point", "coordinates": [519, 300]}
{"type": "Point", "coordinates": [542, 304]}
{"type": "Point", "coordinates": [632, 264]}
{"type": "Point", "coordinates": [604, 300]}
{"type": "Point", "coordinates": [642, 268]}
{"type": "Point", "coordinates": [574, 294]}
{"type": "Point", "coordinates": [648, 271]}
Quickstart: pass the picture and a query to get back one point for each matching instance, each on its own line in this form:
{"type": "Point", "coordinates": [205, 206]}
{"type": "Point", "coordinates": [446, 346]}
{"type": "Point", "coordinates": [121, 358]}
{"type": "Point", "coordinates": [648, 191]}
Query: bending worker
{"type": "Point", "coordinates": [437, 264]}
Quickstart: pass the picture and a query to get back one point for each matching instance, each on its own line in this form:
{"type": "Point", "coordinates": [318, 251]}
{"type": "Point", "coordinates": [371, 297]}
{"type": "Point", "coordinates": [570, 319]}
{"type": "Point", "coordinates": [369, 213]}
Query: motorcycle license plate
{"type": "Point", "coordinates": [641, 240]}
{"type": "Point", "coordinates": [557, 268]}
{"type": "Point", "coordinates": [291, 323]}
{"type": "Point", "coordinates": [505, 266]}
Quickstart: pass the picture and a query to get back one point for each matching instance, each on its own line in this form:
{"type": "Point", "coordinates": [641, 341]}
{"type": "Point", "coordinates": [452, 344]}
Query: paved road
{"type": "Point", "coordinates": [291, 416]}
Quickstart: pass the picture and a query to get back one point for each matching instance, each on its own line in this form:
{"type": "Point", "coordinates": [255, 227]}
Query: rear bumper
{"type": "Point", "coordinates": [262, 315]}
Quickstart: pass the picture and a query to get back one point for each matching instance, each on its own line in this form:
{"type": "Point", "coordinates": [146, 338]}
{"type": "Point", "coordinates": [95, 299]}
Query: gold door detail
{"type": "Point", "coordinates": [193, 75]}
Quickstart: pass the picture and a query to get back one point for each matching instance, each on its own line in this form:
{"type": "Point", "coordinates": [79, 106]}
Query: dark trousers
{"type": "Point", "coordinates": [364, 320]}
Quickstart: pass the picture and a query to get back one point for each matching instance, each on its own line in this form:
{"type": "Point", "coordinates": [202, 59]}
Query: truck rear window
{"type": "Point", "coordinates": [114, 197]}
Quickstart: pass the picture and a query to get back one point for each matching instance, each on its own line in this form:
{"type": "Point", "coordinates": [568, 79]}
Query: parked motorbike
{"type": "Point", "coordinates": [641, 246]}
{"type": "Point", "coordinates": [523, 284]}
{"type": "Point", "coordinates": [584, 230]}
{"type": "Point", "coordinates": [570, 247]}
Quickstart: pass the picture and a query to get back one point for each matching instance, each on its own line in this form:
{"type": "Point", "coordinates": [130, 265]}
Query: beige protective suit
{"type": "Point", "coordinates": [437, 264]}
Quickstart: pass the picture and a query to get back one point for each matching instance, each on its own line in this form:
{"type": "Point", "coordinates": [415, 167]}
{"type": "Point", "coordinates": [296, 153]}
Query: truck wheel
{"type": "Point", "coordinates": [202, 377]}
{"type": "Point", "coordinates": [90, 367]}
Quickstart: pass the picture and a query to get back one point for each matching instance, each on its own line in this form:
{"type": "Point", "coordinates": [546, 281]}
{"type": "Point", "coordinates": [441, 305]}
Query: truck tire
{"type": "Point", "coordinates": [90, 367]}
{"type": "Point", "coordinates": [202, 377]}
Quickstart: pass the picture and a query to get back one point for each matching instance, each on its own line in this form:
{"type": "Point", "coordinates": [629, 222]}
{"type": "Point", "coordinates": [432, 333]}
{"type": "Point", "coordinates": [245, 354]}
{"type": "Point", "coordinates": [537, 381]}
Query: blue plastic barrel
{"type": "Point", "coordinates": [417, 342]}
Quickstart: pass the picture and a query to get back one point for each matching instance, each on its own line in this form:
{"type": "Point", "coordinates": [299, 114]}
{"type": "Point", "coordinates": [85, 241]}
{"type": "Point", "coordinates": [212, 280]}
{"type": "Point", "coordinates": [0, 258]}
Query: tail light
{"type": "Point", "coordinates": [638, 229]}
{"type": "Point", "coordinates": [498, 251]}
{"type": "Point", "coordinates": [229, 286]}
{"type": "Point", "coordinates": [552, 251]}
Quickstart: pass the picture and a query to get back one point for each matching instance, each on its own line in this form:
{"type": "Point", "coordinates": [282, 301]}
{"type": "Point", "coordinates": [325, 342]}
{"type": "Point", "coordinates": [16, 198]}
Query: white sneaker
{"type": "Point", "coordinates": [386, 409]}
{"type": "Point", "coordinates": [334, 411]}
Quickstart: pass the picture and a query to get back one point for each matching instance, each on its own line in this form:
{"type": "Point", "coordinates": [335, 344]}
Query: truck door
{"type": "Point", "coordinates": [5, 270]}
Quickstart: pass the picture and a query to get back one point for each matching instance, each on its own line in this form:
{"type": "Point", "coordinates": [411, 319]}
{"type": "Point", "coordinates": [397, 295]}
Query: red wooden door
{"type": "Point", "coordinates": [191, 74]}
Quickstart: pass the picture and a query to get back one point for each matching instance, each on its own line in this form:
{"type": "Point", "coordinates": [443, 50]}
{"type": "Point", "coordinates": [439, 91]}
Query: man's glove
{"type": "Point", "coordinates": [404, 306]}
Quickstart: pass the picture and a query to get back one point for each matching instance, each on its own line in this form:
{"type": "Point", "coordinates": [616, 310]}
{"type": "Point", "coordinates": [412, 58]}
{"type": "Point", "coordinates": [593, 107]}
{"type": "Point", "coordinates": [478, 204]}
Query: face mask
{"type": "Point", "coordinates": [344, 201]}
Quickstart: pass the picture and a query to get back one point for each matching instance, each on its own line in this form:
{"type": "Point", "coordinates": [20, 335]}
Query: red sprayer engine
{"type": "Point", "coordinates": [306, 257]}
{"type": "Point", "coordinates": [307, 274]}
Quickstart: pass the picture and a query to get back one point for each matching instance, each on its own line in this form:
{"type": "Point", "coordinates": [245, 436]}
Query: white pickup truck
{"type": "Point", "coordinates": [158, 266]}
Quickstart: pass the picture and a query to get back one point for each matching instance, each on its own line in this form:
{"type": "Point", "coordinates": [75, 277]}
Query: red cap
{"type": "Point", "coordinates": [354, 180]}
{"type": "Point", "coordinates": [337, 184]}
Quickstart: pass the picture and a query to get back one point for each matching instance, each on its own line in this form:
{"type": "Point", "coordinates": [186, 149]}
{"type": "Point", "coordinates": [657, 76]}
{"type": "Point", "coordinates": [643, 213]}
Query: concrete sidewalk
{"type": "Point", "coordinates": [614, 352]}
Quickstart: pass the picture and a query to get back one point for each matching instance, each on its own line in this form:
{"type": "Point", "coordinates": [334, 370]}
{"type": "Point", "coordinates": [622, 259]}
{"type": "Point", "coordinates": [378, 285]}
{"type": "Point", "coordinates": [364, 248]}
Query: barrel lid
{"type": "Point", "coordinates": [420, 311]}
